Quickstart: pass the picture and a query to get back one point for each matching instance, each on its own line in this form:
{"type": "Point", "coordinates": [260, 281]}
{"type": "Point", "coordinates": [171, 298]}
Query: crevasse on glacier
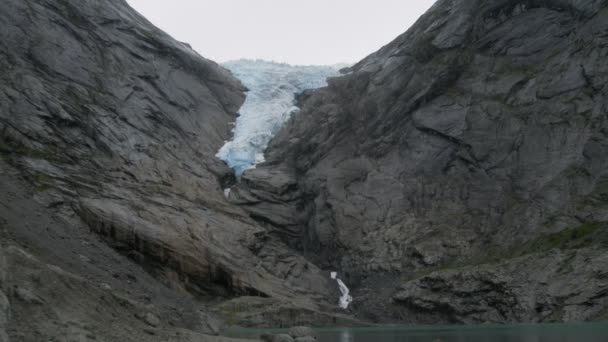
{"type": "Point", "coordinates": [269, 104]}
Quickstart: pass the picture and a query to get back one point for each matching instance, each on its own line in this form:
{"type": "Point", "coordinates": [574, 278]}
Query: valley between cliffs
{"type": "Point", "coordinates": [457, 175]}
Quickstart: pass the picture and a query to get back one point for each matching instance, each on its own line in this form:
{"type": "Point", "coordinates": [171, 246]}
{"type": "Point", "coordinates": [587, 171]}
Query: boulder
{"type": "Point", "coordinates": [151, 319]}
{"type": "Point", "coordinates": [283, 338]}
{"type": "Point", "coordinates": [301, 331]}
{"type": "Point", "coordinates": [267, 337]}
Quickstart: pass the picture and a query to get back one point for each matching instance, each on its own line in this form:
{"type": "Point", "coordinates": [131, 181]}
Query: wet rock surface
{"type": "Point", "coordinates": [297, 334]}
{"type": "Point", "coordinates": [259, 312]}
{"type": "Point", "coordinates": [301, 331]}
{"type": "Point", "coordinates": [305, 339]}
{"type": "Point", "coordinates": [482, 128]}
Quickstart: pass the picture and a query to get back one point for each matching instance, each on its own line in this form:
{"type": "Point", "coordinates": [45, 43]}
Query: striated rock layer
{"type": "Point", "coordinates": [478, 137]}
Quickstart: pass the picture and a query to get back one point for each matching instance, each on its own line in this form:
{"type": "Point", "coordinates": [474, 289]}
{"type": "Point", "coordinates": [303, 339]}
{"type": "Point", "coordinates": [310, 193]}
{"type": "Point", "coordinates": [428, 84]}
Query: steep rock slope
{"type": "Point", "coordinates": [60, 282]}
{"type": "Point", "coordinates": [116, 125]}
{"type": "Point", "coordinates": [480, 136]}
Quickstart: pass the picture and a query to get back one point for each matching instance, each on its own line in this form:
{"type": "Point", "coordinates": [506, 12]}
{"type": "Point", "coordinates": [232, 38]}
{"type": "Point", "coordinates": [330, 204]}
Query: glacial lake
{"type": "Point", "coordinates": [576, 332]}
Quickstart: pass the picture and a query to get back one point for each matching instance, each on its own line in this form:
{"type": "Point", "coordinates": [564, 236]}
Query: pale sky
{"type": "Point", "coordinates": [291, 31]}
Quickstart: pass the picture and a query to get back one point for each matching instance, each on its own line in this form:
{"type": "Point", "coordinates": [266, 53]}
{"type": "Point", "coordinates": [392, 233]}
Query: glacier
{"type": "Point", "coordinates": [269, 104]}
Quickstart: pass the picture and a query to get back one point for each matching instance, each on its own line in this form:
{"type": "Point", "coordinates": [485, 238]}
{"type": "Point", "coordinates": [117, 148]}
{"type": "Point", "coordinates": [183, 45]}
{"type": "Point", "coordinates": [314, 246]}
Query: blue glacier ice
{"type": "Point", "coordinates": [269, 104]}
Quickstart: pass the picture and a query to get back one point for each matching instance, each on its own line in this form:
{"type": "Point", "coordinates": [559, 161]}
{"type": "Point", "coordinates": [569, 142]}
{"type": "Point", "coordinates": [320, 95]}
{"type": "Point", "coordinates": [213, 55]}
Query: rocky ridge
{"type": "Point", "coordinates": [108, 124]}
{"type": "Point", "coordinates": [481, 129]}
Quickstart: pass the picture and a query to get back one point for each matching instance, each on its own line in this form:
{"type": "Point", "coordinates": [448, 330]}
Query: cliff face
{"type": "Point", "coordinates": [459, 173]}
{"type": "Point", "coordinates": [115, 125]}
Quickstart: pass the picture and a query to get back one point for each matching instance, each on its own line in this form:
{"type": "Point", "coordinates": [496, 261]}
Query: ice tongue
{"type": "Point", "coordinates": [269, 104]}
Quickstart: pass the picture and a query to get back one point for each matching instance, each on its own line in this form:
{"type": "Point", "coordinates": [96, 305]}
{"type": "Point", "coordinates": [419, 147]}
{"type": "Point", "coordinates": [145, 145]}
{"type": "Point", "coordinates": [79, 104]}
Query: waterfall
{"type": "Point", "coordinates": [346, 298]}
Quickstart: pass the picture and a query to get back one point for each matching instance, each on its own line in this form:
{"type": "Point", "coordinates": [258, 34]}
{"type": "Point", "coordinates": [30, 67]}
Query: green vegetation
{"type": "Point", "coordinates": [231, 312]}
{"type": "Point", "coordinates": [507, 67]}
{"type": "Point", "coordinates": [41, 182]}
{"type": "Point", "coordinates": [573, 238]}
{"type": "Point", "coordinates": [582, 236]}
{"type": "Point", "coordinates": [13, 148]}
{"type": "Point", "coordinates": [585, 235]}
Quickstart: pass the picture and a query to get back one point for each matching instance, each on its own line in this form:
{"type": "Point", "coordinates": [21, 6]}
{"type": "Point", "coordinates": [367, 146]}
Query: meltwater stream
{"type": "Point", "coordinates": [345, 298]}
{"type": "Point", "coordinates": [269, 104]}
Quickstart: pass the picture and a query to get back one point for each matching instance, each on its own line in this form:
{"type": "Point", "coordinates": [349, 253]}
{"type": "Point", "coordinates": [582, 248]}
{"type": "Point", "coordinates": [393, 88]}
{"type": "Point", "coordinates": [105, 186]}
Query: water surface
{"type": "Point", "coordinates": [579, 332]}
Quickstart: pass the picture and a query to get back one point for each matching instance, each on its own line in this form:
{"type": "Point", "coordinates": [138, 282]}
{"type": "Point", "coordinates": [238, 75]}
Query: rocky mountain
{"type": "Point", "coordinates": [456, 175]}
{"type": "Point", "coordinates": [459, 173]}
{"type": "Point", "coordinates": [108, 135]}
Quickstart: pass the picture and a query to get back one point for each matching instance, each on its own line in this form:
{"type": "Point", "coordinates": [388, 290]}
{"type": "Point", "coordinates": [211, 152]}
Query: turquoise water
{"type": "Point", "coordinates": [583, 332]}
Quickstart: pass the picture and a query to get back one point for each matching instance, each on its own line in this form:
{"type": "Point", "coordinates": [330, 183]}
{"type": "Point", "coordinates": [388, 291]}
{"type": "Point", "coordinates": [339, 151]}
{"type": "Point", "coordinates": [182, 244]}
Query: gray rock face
{"type": "Point", "coordinates": [4, 316]}
{"type": "Point", "coordinates": [481, 128]}
{"type": "Point", "coordinates": [116, 125]}
{"type": "Point", "coordinates": [211, 324]}
{"type": "Point", "coordinates": [27, 296]}
{"type": "Point", "coordinates": [561, 286]}
{"type": "Point", "coordinates": [76, 309]}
